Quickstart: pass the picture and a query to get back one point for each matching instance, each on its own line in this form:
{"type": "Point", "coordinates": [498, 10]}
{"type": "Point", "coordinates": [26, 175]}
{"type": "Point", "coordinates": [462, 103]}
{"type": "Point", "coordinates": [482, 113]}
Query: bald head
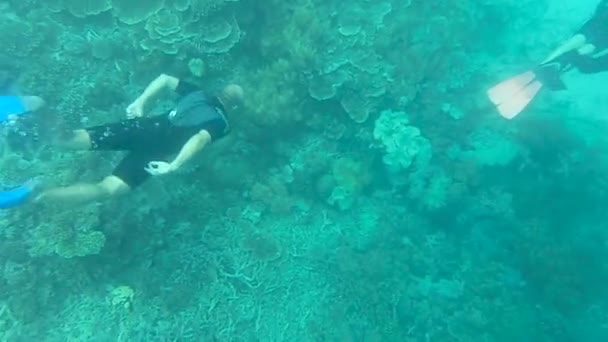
{"type": "Point", "coordinates": [232, 96]}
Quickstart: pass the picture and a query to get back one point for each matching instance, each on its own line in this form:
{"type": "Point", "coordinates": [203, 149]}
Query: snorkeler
{"type": "Point", "coordinates": [13, 106]}
{"type": "Point", "coordinates": [155, 145]}
{"type": "Point", "coordinates": [586, 51]}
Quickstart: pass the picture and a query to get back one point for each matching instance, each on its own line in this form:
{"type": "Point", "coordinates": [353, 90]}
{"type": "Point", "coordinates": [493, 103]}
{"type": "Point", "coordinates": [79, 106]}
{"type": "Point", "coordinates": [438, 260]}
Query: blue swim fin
{"type": "Point", "coordinates": [17, 196]}
{"type": "Point", "coordinates": [11, 106]}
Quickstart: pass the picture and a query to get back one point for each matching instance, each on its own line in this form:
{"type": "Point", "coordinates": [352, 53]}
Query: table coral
{"type": "Point", "coordinates": [133, 12]}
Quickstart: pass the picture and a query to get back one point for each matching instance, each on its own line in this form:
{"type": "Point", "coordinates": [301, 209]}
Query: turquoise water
{"type": "Point", "coordinates": [368, 191]}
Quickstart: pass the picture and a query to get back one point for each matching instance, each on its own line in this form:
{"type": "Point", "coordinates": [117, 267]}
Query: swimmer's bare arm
{"type": "Point", "coordinates": [194, 145]}
{"type": "Point", "coordinates": [162, 82]}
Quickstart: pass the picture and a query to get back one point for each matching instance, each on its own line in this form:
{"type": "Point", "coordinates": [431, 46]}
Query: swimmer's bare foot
{"type": "Point", "coordinates": [38, 187]}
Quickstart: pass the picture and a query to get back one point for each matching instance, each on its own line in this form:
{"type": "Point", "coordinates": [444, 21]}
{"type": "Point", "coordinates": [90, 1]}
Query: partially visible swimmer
{"type": "Point", "coordinates": [155, 145]}
{"type": "Point", "coordinates": [586, 51]}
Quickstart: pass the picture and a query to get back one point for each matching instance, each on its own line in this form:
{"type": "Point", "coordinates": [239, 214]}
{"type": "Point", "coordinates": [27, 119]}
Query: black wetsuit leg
{"type": "Point", "coordinates": [590, 65]}
{"type": "Point", "coordinates": [596, 32]}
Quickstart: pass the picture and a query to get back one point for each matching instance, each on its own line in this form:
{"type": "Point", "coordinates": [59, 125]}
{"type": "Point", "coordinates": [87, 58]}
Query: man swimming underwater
{"type": "Point", "coordinates": [155, 145]}
{"type": "Point", "coordinates": [586, 51]}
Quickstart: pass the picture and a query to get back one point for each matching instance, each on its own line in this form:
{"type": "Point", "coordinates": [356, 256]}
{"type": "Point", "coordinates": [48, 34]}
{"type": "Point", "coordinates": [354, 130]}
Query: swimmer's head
{"type": "Point", "coordinates": [232, 97]}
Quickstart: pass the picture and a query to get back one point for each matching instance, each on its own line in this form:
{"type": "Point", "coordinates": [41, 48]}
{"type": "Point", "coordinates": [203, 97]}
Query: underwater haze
{"type": "Point", "coordinates": [368, 191]}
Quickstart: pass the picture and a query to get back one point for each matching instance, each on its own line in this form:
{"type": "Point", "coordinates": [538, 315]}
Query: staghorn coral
{"type": "Point", "coordinates": [83, 244]}
{"type": "Point", "coordinates": [67, 235]}
{"type": "Point", "coordinates": [274, 195]}
{"type": "Point", "coordinates": [262, 247]}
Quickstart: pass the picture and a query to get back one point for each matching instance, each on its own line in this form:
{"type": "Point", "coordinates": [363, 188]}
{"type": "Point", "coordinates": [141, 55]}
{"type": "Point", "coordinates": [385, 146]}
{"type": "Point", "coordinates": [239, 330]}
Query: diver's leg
{"type": "Point", "coordinates": [593, 65]}
{"type": "Point", "coordinates": [83, 193]}
{"type": "Point", "coordinates": [586, 49]}
{"type": "Point", "coordinates": [76, 140]}
{"type": "Point", "coordinates": [574, 43]}
{"type": "Point", "coordinates": [128, 174]}
{"type": "Point", "coordinates": [32, 103]}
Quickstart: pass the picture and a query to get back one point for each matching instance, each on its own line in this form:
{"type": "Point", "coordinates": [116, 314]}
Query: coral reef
{"type": "Point", "coordinates": [366, 193]}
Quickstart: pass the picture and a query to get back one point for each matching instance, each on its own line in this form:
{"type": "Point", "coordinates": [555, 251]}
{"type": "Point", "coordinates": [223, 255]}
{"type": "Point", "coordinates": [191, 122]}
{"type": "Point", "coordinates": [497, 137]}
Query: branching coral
{"type": "Point", "coordinates": [67, 236]}
{"type": "Point", "coordinates": [83, 244]}
{"type": "Point", "coordinates": [274, 195]}
{"type": "Point", "coordinates": [262, 247]}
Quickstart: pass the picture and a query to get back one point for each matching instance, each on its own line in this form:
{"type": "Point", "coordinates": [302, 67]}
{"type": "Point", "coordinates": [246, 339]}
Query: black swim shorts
{"type": "Point", "coordinates": [145, 140]}
{"type": "Point", "coordinates": [149, 139]}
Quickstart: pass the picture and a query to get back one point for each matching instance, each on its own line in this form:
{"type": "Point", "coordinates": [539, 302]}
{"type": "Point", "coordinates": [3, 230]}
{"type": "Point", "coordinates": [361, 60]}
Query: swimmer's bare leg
{"type": "Point", "coordinates": [586, 49]}
{"type": "Point", "coordinates": [574, 43]}
{"type": "Point", "coordinates": [111, 186]}
{"type": "Point", "coordinates": [75, 140]}
{"type": "Point", "coordinates": [32, 103]}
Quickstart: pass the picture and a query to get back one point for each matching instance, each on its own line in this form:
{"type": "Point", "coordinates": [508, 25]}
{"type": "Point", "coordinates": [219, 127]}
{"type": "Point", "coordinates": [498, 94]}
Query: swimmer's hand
{"type": "Point", "coordinates": [156, 168]}
{"type": "Point", "coordinates": [135, 109]}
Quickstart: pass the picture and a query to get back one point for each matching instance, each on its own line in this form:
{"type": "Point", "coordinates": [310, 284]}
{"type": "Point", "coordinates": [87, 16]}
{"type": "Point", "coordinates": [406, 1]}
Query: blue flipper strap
{"type": "Point", "coordinates": [16, 197]}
